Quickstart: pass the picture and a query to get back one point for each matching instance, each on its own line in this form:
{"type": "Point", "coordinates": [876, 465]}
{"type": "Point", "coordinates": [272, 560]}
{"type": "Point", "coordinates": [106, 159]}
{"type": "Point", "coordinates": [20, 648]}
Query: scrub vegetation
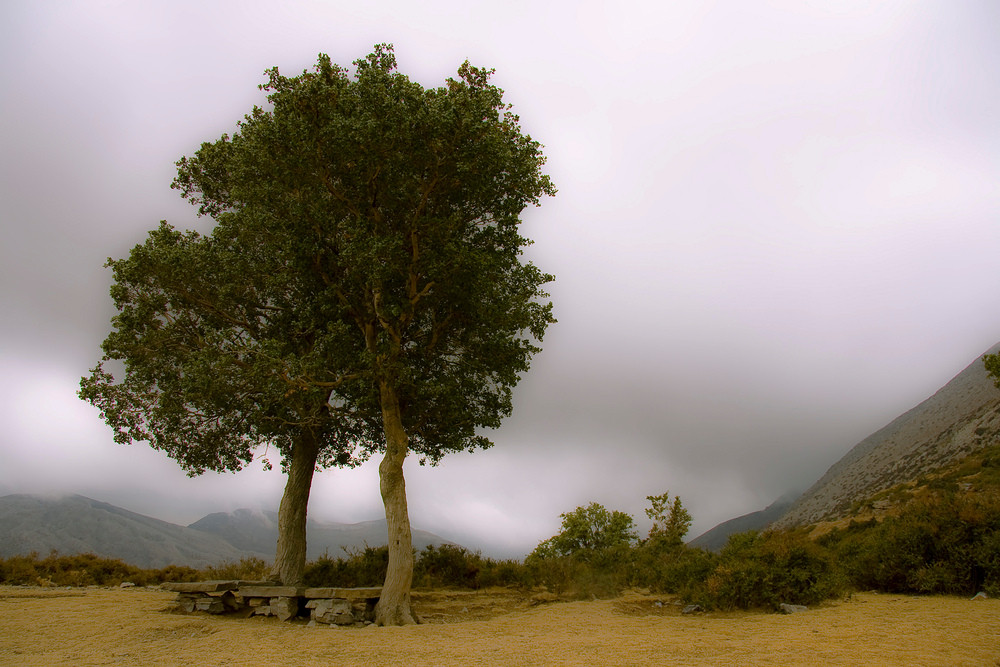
{"type": "Point", "coordinates": [937, 535]}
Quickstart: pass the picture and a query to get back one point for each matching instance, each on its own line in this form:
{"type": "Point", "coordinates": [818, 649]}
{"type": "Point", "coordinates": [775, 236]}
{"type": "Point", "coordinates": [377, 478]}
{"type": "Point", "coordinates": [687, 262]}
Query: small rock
{"type": "Point", "coordinates": [127, 584]}
{"type": "Point", "coordinates": [211, 605]}
{"type": "Point", "coordinates": [691, 609]}
{"type": "Point", "coordinates": [979, 596]}
{"type": "Point", "coordinates": [284, 607]}
{"type": "Point", "coordinates": [657, 604]}
{"type": "Point", "coordinates": [791, 608]}
{"type": "Point", "coordinates": [333, 612]}
{"type": "Point", "coordinates": [185, 605]}
{"type": "Point", "coordinates": [539, 598]}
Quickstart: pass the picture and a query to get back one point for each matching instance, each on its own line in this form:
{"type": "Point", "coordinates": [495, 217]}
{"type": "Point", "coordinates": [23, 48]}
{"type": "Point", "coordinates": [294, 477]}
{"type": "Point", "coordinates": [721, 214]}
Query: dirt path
{"type": "Point", "coordinates": [130, 627]}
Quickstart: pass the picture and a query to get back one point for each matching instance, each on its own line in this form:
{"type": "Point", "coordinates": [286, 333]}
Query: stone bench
{"type": "Point", "coordinates": [333, 606]}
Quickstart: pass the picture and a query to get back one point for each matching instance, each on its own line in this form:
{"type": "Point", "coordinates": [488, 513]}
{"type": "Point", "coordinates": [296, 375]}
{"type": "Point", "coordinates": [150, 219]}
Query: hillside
{"type": "Point", "coordinates": [975, 476]}
{"type": "Point", "coordinates": [716, 538]}
{"type": "Point", "coordinates": [960, 418]}
{"type": "Point", "coordinates": [76, 524]}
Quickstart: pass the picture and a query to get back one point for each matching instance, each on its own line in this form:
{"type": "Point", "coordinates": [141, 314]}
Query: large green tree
{"type": "Point", "coordinates": [219, 362]}
{"type": "Point", "coordinates": [387, 217]}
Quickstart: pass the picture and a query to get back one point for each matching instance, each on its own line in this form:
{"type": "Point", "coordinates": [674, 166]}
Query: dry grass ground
{"type": "Point", "coordinates": [131, 627]}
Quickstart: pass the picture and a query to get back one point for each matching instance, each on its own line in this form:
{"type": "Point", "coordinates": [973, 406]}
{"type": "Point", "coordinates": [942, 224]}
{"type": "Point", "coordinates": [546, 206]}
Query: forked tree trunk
{"type": "Point", "coordinates": [290, 557]}
{"type": "Point", "coordinates": [393, 607]}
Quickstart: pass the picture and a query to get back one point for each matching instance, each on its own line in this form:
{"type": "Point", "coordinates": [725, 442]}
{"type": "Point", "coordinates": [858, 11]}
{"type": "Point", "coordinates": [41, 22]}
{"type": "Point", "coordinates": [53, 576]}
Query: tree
{"type": "Point", "coordinates": [671, 521]}
{"type": "Point", "coordinates": [217, 363]}
{"type": "Point", "coordinates": [587, 531]}
{"type": "Point", "coordinates": [389, 215]}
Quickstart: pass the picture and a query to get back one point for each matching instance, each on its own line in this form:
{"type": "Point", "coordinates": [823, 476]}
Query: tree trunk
{"type": "Point", "coordinates": [393, 607]}
{"type": "Point", "coordinates": [290, 557]}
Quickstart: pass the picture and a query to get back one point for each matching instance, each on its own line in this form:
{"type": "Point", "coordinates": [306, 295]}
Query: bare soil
{"type": "Point", "coordinates": [94, 626]}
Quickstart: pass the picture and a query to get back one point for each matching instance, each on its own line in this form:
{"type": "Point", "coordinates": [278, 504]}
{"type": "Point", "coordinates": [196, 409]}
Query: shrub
{"type": "Point", "coordinates": [942, 542]}
{"type": "Point", "coordinates": [249, 568]}
{"type": "Point", "coordinates": [763, 570]}
{"type": "Point", "coordinates": [360, 568]}
{"type": "Point", "coordinates": [447, 566]}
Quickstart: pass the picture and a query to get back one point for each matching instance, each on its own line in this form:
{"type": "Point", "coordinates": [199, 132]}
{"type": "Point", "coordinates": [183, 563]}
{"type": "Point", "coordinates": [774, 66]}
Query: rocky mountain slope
{"type": "Point", "coordinates": [76, 524]}
{"type": "Point", "coordinates": [962, 417]}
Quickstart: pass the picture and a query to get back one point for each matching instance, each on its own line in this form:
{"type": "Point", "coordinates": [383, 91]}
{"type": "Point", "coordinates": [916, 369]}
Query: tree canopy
{"type": "Point", "coordinates": [366, 261]}
{"type": "Point", "coordinates": [587, 530]}
{"type": "Point", "coordinates": [216, 367]}
{"type": "Point", "coordinates": [671, 521]}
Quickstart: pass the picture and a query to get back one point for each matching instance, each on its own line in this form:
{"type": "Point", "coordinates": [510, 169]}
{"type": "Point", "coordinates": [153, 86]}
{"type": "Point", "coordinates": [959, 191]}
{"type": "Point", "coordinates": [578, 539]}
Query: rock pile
{"type": "Point", "coordinates": [331, 606]}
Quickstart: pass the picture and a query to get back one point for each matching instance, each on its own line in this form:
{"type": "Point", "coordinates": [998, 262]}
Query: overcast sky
{"type": "Point", "coordinates": [777, 228]}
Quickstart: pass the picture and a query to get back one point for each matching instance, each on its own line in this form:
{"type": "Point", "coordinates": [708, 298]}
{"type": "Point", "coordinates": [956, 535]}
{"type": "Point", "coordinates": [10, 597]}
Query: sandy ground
{"type": "Point", "coordinates": [131, 627]}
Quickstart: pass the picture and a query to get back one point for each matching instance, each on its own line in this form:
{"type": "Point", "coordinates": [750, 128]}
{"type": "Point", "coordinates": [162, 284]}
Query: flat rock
{"type": "Point", "coordinates": [271, 591]}
{"type": "Point", "coordinates": [343, 593]}
{"type": "Point", "coordinates": [200, 586]}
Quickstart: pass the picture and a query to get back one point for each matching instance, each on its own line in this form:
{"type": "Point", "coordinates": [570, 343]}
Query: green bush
{"type": "Point", "coordinates": [764, 570]}
{"type": "Point", "coordinates": [506, 573]}
{"type": "Point", "coordinates": [360, 568]}
{"type": "Point", "coordinates": [447, 566]}
{"type": "Point", "coordinates": [248, 568]}
{"type": "Point", "coordinates": [679, 571]}
{"type": "Point", "coordinates": [942, 542]}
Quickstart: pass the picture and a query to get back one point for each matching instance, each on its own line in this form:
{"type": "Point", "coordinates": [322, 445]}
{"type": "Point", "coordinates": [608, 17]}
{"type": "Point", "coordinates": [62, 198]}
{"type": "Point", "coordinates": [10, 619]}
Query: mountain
{"type": "Point", "coordinates": [257, 532]}
{"type": "Point", "coordinates": [715, 539]}
{"type": "Point", "coordinates": [76, 524]}
{"type": "Point", "coordinates": [960, 418]}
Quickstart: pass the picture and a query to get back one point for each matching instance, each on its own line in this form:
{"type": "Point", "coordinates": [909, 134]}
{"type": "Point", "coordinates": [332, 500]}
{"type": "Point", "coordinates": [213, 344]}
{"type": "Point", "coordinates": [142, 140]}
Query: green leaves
{"type": "Point", "coordinates": [366, 230]}
{"type": "Point", "coordinates": [671, 522]}
{"type": "Point", "coordinates": [589, 530]}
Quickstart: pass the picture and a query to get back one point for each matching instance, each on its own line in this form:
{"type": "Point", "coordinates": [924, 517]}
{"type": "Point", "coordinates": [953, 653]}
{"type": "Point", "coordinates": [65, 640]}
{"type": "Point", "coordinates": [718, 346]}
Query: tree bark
{"type": "Point", "coordinates": [393, 607]}
{"type": "Point", "coordinates": [290, 556]}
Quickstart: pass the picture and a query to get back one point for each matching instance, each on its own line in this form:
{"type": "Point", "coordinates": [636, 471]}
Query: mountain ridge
{"type": "Point", "coordinates": [715, 538]}
{"type": "Point", "coordinates": [75, 524]}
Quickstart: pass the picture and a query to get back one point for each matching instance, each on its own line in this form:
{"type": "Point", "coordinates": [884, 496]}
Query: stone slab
{"type": "Point", "coordinates": [200, 586]}
{"type": "Point", "coordinates": [271, 591]}
{"type": "Point", "coordinates": [343, 593]}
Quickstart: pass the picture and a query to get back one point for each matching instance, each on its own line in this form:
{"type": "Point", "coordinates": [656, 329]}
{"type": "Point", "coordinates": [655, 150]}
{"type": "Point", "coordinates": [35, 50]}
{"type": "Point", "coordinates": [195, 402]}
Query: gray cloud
{"type": "Point", "coordinates": [776, 230]}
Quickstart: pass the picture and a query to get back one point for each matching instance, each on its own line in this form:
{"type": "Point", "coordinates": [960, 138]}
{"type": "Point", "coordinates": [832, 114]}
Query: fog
{"type": "Point", "coordinates": [776, 230]}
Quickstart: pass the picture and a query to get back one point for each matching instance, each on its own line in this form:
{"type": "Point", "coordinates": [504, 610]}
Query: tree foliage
{"type": "Point", "coordinates": [671, 521]}
{"type": "Point", "coordinates": [393, 211]}
{"type": "Point", "coordinates": [214, 364]}
{"type": "Point", "coordinates": [588, 531]}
